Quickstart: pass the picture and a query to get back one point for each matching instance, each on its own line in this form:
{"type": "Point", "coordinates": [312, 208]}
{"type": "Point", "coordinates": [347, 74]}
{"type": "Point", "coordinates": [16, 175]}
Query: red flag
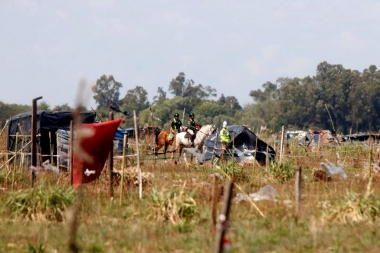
{"type": "Point", "coordinates": [93, 144]}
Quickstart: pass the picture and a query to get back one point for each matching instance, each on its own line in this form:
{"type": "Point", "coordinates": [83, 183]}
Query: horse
{"type": "Point", "coordinates": [162, 139]}
{"type": "Point", "coordinates": [183, 139]}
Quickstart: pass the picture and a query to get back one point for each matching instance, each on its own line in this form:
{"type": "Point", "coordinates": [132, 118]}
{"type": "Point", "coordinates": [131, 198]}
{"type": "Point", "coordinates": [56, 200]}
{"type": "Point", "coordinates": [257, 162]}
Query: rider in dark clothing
{"type": "Point", "coordinates": [176, 124]}
{"type": "Point", "coordinates": [191, 125]}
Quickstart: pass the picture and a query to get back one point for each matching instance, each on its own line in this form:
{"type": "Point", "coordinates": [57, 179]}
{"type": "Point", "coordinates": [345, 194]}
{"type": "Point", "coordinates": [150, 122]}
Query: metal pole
{"type": "Point", "coordinates": [110, 160]}
{"type": "Point", "coordinates": [34, 133]}
{"type": "Point", "coordinates": [122, 168]}
{"type": "Point", "coordinates": [71, 152]}
{"type": "Point", "coordinates": [138, 155]}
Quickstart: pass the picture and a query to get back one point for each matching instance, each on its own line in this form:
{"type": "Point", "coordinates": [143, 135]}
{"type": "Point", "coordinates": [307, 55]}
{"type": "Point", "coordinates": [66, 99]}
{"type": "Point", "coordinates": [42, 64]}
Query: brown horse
{"type": "Point", "coordinates": [162, 140]}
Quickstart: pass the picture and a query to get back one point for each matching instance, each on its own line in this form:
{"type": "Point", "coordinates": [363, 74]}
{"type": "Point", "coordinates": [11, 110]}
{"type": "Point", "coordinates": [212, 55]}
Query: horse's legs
{"type": "Point", "coordinates": [157, 148]}
{"type": "Point", "coordinates": [165, 148]}
{"type": "Point", "coordinates": [179, 155]}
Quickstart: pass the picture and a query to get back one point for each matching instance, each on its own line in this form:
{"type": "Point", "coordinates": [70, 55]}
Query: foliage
{"type": "Point", "coordinates": [135, 100]}
{"type": "Point", "coordinates": [352, 208]}
{"type": "Point", "coordinates": [43, 106]}
{"type": "Point", "coordinates": [40, 203]}
{"type": "Point", "coordinates": [107, 92]}
{"type": "Point", "coordinates": [174, 205]}
{"type": "Point", "coordinates": [9, 110]}
{"type": "Point", "coordinates": [282, 171]}
{"type": "Point", "coordinates": [231, 169]}
{"type": "Point", "coordinates": [335, 98]}
{"type": "Point", "coordinates": [63, 107]}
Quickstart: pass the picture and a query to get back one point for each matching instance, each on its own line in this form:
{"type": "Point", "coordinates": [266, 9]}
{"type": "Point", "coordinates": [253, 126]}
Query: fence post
{"type": "Point", "coordinates": [222, 225]}
{"type": "Point", "coordinates": [282, 143]}
{"type": "Point", "coordinates": [34, 133]}
{"type": "Point", "coordinates": [110, 161]}
{"type": "Point", "coordinates": [138, 154]}
{"type": "Point", "coordinates": [298, 192]}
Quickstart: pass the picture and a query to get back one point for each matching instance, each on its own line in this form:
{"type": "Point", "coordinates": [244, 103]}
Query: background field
{"type": "Point", "coordinates": [174, 214]}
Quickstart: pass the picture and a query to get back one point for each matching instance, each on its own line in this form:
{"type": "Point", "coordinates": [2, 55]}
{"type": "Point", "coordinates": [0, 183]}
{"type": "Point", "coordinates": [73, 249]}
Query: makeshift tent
{"type": "Point", "coordinates": [314, 138]}
{"type": "Point", "coordinates": [244, 145]}
{"type": "Point", "coordinates": [47, 125]}
{"type": "Point", "coordinates": [361, 137]}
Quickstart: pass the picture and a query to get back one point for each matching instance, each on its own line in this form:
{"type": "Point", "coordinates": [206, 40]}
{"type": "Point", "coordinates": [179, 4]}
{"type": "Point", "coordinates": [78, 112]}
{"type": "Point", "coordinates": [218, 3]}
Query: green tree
{"type": "Point", "coordinates": [9, 110]}
{"type": "Point", "coordinates": [63, 107]}
{"type": "Point", "coordinates": [160, 97]}
{"type": "Point", "coordinates": [107, 92]}
{"type": "Point", "coordinates": [176, 86]}
{"type": "Point", "coordinates": [135, 99]}
{"type": "Point", "coordinates": [43, 106]}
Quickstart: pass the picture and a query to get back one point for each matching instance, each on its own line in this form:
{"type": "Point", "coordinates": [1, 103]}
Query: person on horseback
{"type": "Point", "coordinates": [176, 124]}
{"type": "Point", "coordinates": [192, 125]}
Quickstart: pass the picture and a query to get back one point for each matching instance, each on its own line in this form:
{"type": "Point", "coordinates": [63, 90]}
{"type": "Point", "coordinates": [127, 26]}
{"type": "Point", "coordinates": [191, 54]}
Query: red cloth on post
{"type": "Point", "coordinates": [95, 142]}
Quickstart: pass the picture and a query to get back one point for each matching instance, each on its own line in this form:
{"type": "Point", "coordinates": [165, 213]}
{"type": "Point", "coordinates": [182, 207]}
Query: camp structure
{"type": "Point", "coordinates": [313, 138]}
{"type": "Point", "coordinates": [47, 125]}
{"type": "Point", "coordinates": [361, 137]}
{"type": "Point", "coordinates": [244, 146]}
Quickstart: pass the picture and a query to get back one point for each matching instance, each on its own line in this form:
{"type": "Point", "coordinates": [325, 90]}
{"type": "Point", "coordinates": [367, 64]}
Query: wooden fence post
{"type": "Point", "coordinates": [223, 223]}
{"type": "Point", "coordinates": [298, 192]}
{"type": "Point", "coordinates": [34, 141]}
{"type": "Point", "coordinates": [282, 143]}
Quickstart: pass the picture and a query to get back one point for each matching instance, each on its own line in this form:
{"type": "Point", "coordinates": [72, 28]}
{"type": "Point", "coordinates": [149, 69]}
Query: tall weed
{"type": "Point", "coordinates": [40, 203]}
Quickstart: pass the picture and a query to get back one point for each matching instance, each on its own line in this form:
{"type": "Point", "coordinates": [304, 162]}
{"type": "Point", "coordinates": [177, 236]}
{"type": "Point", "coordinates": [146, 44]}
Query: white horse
{"type": "Point", "coordinates": [183, 139]}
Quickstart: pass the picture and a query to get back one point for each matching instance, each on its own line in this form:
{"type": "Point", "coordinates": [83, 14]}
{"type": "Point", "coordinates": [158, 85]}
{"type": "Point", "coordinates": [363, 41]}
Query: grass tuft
{"type": "Point", "coordinates": [40, 203]}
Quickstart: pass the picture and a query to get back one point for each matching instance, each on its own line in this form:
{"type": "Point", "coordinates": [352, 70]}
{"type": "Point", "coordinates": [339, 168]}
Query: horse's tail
{"type": "Point", "coordinates": [157, 132]}
{"type": "Point", "coordinates": [156, 137]}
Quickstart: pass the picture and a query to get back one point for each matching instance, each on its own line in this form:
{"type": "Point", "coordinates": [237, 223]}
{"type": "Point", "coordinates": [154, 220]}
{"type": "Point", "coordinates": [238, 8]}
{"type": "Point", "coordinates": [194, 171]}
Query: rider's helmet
{"type": "Point", "coordinates": [176, 115]}
{"type": "Point", "coordinates": [191, 114]}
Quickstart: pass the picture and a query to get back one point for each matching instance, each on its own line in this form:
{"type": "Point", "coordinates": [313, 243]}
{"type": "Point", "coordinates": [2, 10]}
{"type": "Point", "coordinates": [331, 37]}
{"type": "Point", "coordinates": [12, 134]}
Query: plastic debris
{"type": "Point", "coordinates": [267, 192]}
{"type": "Point", "coordinates": [332, 169]}
{"type": "Point", "coordinates": [48, 166]}
{"type": "Point", "coordinates": [200, 157]}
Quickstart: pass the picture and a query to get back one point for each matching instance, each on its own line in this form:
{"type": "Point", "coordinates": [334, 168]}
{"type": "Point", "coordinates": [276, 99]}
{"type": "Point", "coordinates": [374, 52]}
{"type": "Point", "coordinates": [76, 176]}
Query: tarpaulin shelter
{"type": "Point", "coordinates": [119, 135]}
{"type": "Point", "coordinates": [244, 145]}
{"type": "Point", "coordinates": [47, 125]}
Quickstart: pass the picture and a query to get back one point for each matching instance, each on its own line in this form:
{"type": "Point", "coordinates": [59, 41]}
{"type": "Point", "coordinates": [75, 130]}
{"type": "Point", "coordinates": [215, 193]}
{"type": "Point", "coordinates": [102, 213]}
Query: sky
{"type": "Point", "coordinates": [234, 46]}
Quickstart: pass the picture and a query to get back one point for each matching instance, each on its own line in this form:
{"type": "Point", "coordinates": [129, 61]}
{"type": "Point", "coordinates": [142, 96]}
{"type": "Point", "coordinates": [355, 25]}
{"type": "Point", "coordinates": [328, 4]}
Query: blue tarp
{"type": "Point", "coordinates": [119, 135]}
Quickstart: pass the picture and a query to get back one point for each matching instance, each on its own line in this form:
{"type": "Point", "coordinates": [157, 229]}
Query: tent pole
{"type": "Point", "coordinates": [71, 152]}
{"type": "Point", "coordinates": [110, 160]}
{"type": "Point", "coordinates": [138, 154]}
{"type": "Point", "coordinates": [34, 132]}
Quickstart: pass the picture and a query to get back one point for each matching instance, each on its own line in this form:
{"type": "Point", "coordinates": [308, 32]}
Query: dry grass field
{"type": "Point", "coordinates": [174, 214]}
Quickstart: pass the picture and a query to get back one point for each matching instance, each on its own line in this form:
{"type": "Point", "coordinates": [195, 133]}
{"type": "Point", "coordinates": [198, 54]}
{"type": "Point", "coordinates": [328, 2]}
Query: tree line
{"type": "Point", "coordinates": [336, 98]}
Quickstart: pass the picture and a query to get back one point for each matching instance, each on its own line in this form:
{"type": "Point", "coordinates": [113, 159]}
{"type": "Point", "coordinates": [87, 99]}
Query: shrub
{"type": "Point", "coordinates": [40, 203]}
{"type": "Point", "coordinates": [283, 171]}
{"type": "Point", "coordinates": [173, 205]}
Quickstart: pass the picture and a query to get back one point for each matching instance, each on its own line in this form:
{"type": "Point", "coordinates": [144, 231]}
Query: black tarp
{"type": "Point", "coordinates": [244, 141]}
{"type": "Point", "coordinates": [47, 125]}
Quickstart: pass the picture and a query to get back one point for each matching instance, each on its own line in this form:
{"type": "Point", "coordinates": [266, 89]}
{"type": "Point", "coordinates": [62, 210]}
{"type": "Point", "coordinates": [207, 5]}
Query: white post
{"type": "Point", "coordinates": [282, 143]}
{"type": "Point", "coordinates": [138, 154]}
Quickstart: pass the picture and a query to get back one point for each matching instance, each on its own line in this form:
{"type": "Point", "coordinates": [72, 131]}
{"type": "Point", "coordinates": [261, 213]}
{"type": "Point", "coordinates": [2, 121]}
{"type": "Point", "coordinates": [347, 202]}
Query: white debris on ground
{"type": "Point", "coordinates": [48, 166]}
{"type": "Point", "coordinates": [267, 192]}
{"type": "Point", "coordinates": [45, 166]}
{"type": "Point", "coordinates": [332, 169]}
{"type": "Point", "coordinates": [131, 175]}
{"type": "Point", "coordinates": [195, 152]}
